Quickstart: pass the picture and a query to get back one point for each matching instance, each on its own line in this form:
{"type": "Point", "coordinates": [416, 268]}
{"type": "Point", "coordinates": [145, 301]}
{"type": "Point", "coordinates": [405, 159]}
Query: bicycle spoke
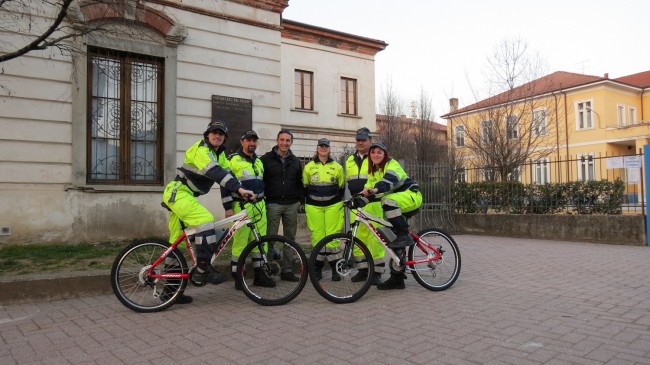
{"type": "Point", "coordinates": [438, 274]}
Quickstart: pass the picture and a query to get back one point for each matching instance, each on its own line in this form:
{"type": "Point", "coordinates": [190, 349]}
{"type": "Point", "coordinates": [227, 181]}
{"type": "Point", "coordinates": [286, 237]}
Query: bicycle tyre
{"type": "Point", "coordinates": [440, 275]}
{"type": "Point", "coordinates": [343, 291]}
{"type": "Point", "coordinates": [284, 291]}
{"type": "Point", "coordinates": [130, 284]}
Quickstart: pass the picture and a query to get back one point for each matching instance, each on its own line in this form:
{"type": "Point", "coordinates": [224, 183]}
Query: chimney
{"type": "Point", "coordinates": [453, 105]}
{"type": "Point", "coordinates": [607, 75]}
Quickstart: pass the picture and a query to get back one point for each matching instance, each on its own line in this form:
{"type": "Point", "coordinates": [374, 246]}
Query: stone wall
{"type": "Point", "coordinates": [611, 229]}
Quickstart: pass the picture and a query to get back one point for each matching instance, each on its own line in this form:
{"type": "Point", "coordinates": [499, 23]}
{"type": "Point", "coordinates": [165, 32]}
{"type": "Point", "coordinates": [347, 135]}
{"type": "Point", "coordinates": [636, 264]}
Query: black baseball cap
{"type": "Point", "coordinates": [249, 134]}
{"type": "Point", "coordinates": [378, 144]}
{"type": "Point", "coordinates": [323, 142]}
{"type": "Point", "coordinates": [216, 125]}
{"type": "Point", "coordinates": [363, 133]}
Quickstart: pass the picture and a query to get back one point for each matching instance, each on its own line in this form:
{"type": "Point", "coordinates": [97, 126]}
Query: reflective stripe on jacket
{"type": "Point", "coordinates": [324, 182]}
{"type": "Point", "coordinates": [392, 179]}
{"type": "Point", "coordinates": [203, 166]}
{"type": "Point", "coordinates": [356, 172]}
{"type": "Point", "coordinates": [249, 171]}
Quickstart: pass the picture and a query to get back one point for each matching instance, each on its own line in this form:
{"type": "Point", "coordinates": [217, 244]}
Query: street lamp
{"type": "Point", "coordinates": [590, 110]}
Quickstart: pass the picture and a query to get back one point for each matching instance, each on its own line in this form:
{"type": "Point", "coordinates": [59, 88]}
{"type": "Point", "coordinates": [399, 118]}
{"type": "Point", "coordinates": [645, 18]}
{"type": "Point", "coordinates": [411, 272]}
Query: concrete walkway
{"type": "Point", "coordinates": [517, 301]}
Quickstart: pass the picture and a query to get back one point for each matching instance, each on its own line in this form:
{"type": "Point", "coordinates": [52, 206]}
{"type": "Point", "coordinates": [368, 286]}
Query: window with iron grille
{"type": "Point", "coordinates": [125, 118]}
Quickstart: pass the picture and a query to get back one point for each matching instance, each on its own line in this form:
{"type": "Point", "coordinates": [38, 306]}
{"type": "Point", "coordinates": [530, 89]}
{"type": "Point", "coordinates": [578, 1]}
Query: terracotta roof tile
{"type": "Point", "coordinates": [641, 79]}
{"type": "Point", "coordinates": [556, 81]}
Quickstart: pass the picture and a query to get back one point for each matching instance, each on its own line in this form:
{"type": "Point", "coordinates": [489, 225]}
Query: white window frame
{"type": "Point", "coordinates": [540, 122]}
{"type": "Point", "coordinates": [631, 112]}
{"type": "Point", "coordinates": [515, 175]}
{"type": "Point", "coordinates": [586, 164]}
{"type": "Point", "coordinates": [541, 171]}
{"type": "Point", "coordinates": [584, 114]}
{"type": "Point", "coordinates": [461, 175]}
{"type": "Point", "coordinates": [512, 126]}
{"type": "Point", "coordinates": [620, 115]}
{"type": "Point", "coordinates": [488, 173]}
{"type": "Point", "coordinates": [486, 131]}
{"type": "Point", "coordinates": [460, 136]}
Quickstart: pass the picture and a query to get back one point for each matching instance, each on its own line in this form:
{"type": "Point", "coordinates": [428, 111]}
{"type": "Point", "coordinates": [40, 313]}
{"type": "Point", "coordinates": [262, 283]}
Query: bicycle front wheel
{"type": "Point", "coordinates": [344, 290]}
{"type": "Point", "coordinates": [438, 274]}
{"type": "Point", "coordinates": [262, 264]}
{"type": "Point", "coordinates": [135, 288]}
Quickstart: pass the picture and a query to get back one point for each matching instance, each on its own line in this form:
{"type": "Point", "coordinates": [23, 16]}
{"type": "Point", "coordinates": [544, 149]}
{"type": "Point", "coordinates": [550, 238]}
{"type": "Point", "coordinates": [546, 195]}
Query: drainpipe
{"type": "Point", "coordinates": [566, 131]}
{"type": "Point", "coordinates": [557, 135]}
{"type": "Point", "coordinates": [642, 91]}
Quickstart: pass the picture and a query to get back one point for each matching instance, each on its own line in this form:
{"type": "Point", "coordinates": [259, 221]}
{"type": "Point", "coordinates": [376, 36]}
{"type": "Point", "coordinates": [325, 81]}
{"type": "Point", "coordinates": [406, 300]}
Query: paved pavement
{"type": "Point", "coordinates": [517, 301]}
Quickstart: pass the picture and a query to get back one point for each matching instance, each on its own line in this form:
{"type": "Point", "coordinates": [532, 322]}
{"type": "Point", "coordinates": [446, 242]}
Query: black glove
{"type": "Point", "coordinates": [359, 202]}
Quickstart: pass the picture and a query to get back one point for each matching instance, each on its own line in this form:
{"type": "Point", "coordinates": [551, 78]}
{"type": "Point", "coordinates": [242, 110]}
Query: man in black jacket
{"type": "Point", "coordinates": [284, 193]}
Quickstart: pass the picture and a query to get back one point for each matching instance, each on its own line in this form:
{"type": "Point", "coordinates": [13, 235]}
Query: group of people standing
{"type": "Point", "coordinates": [279, 178]}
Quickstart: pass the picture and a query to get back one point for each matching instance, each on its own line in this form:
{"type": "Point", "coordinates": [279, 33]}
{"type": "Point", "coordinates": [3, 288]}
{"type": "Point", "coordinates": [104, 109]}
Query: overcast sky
{"type": "Point", "coordinates": [437, 45]}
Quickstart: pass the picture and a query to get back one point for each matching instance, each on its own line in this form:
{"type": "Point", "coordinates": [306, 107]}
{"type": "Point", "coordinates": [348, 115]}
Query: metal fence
{"type": "Point", "coordinates": [579, 185]}
{"type": "Point", "coordinates": [436, 183]}
{"type": "Point", "coordinates": [590, 184]}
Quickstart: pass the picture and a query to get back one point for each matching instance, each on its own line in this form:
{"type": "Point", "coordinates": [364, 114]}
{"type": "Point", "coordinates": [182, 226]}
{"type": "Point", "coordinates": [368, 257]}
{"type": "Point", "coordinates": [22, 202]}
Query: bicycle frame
{"type": "Point", "coordinates": [240, 219]}
{"type": "Point", "coordinates": [363, 217]}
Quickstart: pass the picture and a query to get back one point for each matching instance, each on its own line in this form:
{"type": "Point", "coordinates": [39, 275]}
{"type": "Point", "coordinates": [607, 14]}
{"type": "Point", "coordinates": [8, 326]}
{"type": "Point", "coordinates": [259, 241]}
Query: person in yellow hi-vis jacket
{"type": "Point", "coordinates": [399, 194]}
{"type": "Point", "coordinates": [249, 170]}
{"type": "Point", "coordinates": [324, 183]}
{"type": "Point", "coordinates": [356, 174]}
{"type": "Point", "coordinates": [205, 163]}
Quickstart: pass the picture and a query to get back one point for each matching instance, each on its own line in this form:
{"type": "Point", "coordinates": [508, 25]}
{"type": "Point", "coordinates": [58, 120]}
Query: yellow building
{"type": "Point", "coordinates": [581, 120]}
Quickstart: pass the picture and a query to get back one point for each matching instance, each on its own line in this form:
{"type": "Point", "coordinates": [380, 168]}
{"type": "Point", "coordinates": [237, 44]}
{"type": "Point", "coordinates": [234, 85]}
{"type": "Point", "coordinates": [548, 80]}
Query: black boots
{"type": "Point", "coordinates": [205, 272]}
{"type": "Point", "coordinates": [335, 274]}
{"type": "Point", "coordinates": [403, 240]}
{"type": "Point", "coordinates": [318, 269]}
{"type": "Point", "coordinates": [396, 281]}
{"type": "Point", "coordinates": [261, 279]}
{"type": "Point", "coordinates": [363, 274]}
{"type": "Point", "coordinates": [360, 276]}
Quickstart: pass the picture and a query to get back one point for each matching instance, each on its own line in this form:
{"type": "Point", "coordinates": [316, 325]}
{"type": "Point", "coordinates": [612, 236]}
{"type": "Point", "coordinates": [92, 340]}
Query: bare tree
{"type": "Point", "coordinates": [392, 129]}
{"type": "Point", "coordinates": [430, 137]}
{"type": "Point", "coordinates": [512, 125]}
{"type": "Point", "coordinates": [37, 25]}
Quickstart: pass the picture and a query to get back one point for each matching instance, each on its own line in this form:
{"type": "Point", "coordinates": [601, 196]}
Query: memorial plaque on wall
{"type": "Point", "coordinates": [237, 113]}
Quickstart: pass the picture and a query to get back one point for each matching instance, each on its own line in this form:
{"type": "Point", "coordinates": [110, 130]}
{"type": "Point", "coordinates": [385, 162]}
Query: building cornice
{"type": "Point", "coordinates": [331, 38]}
{"type": "Point", "coordinates": [271, 5]}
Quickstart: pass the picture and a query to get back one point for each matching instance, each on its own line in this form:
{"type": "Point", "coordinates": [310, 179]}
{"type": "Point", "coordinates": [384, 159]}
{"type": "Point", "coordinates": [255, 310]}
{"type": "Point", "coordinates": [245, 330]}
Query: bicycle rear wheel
{"type": "Point", "coordinates": [439, 274]}
{"type": "Point", "coordinates": [135, 289]}
{"type": "Point", "coordinates": [286, 256]}
{"type": "Point", "coordinates": [344, 290]}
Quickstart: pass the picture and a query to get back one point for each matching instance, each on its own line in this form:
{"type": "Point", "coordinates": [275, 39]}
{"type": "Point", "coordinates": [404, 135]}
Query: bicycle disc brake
{"type": "Point", "coordinates": [271, 268]}
{"type": "Point", "coordinates": [143, 276]}
{"type": "Point", "coordinates": [343, 268]}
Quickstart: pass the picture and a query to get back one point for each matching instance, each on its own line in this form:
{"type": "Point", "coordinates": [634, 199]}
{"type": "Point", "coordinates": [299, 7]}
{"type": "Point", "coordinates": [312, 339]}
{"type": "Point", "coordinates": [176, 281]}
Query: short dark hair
{"type": "Point", "coordinates": [284, 131]}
